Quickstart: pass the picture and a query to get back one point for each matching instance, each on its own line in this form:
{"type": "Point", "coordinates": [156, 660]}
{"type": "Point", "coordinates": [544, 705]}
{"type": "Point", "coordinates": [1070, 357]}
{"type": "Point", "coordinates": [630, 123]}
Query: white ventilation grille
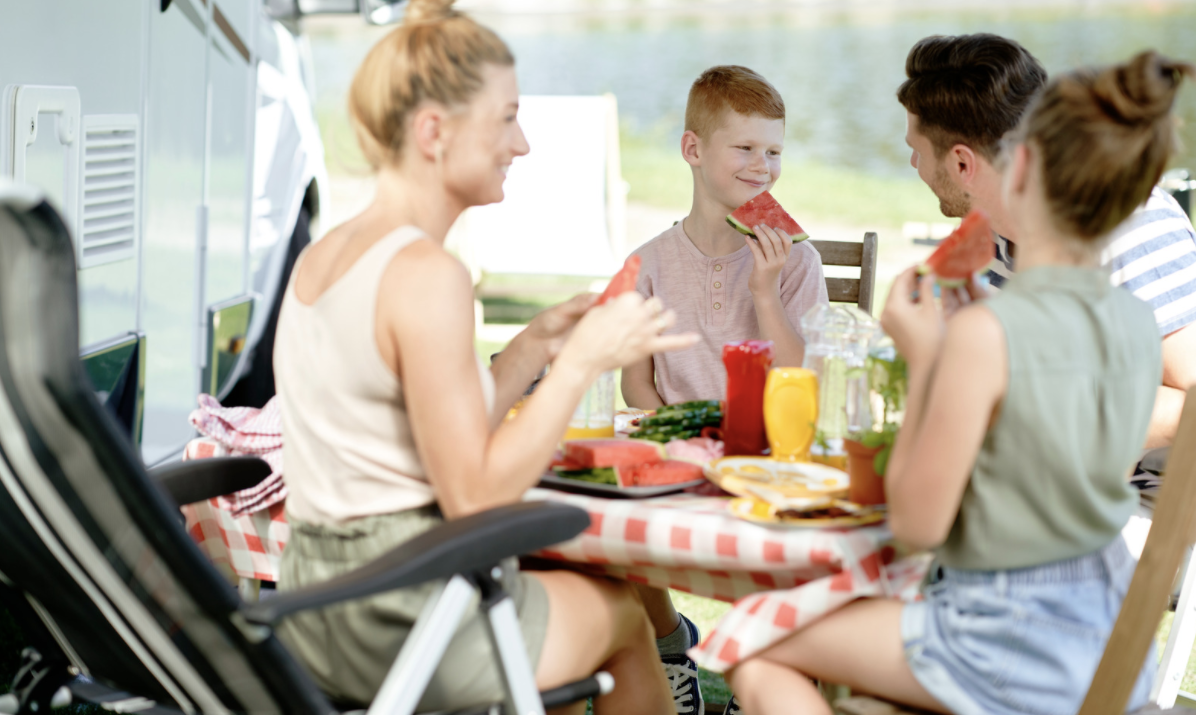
{"type": "Point", "coordinates": [108, 219]}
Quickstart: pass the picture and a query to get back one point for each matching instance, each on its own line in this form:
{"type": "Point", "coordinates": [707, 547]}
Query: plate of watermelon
{"type": "Point", "coordinates": [620, 468]}
{"type": "Point", "coordinates": [764, 210]}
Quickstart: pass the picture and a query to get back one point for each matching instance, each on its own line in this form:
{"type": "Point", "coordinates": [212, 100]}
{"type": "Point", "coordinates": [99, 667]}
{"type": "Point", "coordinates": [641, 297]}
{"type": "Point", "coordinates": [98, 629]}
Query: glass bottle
{"type": "Point", "coordinates": [747, 363]}
{"type": "Point", "coordinates": [837, 340]}
{"type": "Point", "coordinates": [594, 417]}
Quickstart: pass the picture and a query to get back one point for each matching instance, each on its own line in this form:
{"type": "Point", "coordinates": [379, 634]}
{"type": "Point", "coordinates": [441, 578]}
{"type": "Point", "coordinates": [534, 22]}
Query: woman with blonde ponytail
{"type": "Point", "coordinates": [391, 424]}
{"type": "Point", "coordinates": [1025, 413]}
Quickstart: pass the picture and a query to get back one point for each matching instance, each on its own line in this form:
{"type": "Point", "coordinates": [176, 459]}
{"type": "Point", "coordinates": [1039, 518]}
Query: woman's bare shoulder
{"type": "Point", "coordinates": [423, 265]}
{"type": "Point", "coordinates": [424, 275]}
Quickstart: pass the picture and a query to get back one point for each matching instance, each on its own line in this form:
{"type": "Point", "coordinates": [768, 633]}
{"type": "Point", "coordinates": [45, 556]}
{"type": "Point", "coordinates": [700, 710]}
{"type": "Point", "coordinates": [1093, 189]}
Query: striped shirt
{"type": "Point", "coordinates": [1152, 254]}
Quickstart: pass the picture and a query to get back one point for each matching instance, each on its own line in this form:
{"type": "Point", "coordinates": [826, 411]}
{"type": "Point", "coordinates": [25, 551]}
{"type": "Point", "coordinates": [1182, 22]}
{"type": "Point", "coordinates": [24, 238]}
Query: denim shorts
{"type": "Point", "coordinates": [1019, 641]}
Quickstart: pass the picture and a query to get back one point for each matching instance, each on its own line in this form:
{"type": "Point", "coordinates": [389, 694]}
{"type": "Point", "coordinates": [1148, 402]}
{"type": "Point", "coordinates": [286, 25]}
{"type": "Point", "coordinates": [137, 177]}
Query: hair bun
{"type": "Point", "coordinates": [1141, 90]}
{"type": "Point", "coordinates": [429, 10]}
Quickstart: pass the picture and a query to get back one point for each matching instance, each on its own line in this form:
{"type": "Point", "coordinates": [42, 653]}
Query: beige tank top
{"type": "Point", "coordinates": [347, 445]}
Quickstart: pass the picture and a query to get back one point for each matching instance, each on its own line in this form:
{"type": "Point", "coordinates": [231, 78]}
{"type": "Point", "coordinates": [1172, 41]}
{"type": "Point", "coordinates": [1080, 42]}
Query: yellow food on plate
{"type": "Point", "coordinates": [778, 482]}
{"type": "Point", "coordinates": [839, 514]}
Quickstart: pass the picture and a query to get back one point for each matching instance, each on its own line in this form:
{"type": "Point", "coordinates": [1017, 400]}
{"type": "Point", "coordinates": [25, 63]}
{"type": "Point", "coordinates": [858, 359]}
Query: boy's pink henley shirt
{"type": "Point", "coordinates": [711, 297]}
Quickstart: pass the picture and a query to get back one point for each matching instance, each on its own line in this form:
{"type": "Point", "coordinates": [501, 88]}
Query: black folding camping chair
{"type": "Point", "coordinates": [119, 605]}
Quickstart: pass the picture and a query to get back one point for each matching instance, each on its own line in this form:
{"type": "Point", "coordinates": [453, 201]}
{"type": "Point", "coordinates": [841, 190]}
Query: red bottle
{"type": "Point", "coordinates": [747, 364]}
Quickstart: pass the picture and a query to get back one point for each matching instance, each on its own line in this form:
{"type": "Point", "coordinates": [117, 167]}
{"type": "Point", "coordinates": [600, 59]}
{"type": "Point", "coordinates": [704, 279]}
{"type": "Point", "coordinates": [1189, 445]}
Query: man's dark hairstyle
{"type": "Point", "coordinates": [969, 89]}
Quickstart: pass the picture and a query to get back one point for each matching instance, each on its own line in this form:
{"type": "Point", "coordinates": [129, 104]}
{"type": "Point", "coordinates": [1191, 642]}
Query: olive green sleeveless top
{"type": "Point", "coordinates": [1051, 479]}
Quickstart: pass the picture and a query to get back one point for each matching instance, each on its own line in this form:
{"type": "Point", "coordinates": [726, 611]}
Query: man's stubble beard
{"type": "Point", "coordinates": [954, 202]}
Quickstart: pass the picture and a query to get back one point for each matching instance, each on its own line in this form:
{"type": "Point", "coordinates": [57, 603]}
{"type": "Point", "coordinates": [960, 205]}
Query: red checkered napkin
{"type": "Point", "coordinates": [246, 431]}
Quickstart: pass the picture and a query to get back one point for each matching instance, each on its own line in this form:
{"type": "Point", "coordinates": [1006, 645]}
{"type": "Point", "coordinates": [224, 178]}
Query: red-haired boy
{"type": "Point", "coordinates": [722, 284]}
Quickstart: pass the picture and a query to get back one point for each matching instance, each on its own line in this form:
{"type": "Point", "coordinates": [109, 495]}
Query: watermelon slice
{"type": "Point", "coordinates": [623, 281]}
{"type": "Point", "coordinates": [598, 453]}
{"type": "Point", "coordinates": [658, 474]}
{"type": "Point", "coordinates": [765, 211]}
{"type": "Point", "coordinates": [968, 249]}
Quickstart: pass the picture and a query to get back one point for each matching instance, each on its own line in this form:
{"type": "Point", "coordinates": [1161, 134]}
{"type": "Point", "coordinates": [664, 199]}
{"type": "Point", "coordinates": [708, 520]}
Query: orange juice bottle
{"type": "Point", "coordinates": [594, 417]}
{"type": "Point", "coordinates": [573, 433]}
{"type": "Point", "coordinates": [790, 412]}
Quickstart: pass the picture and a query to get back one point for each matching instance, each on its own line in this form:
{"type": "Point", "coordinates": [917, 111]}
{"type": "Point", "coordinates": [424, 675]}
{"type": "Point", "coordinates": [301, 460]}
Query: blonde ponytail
{"type": "Point", "coordinates": [437, 54]}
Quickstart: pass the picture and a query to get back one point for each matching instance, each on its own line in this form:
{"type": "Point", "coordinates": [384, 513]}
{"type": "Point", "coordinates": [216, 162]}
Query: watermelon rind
{"type": "Point", "coordinates": [923, 269]}
{"type": "Point", "coordinates": [749, 232]}
{"type": "Point", "coordinates": [740, 227]}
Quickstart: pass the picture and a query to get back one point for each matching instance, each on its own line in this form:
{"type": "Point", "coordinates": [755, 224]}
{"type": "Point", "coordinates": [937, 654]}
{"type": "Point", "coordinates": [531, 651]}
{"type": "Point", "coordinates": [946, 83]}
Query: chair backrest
{"type": "Point", "coordinates": [1173, 529]}
{"type": "Point", "coordinates": [849, 253]}
{"type": "Point", "coordinates": [88, 540]}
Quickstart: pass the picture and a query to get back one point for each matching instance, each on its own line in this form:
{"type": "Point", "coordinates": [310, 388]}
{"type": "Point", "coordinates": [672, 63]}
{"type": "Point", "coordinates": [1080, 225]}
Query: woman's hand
{"type": "Point", "coordinates": [912, 318]}
{"type": "Point", "coordinates": [552, 326]}
{"type": "Point", "coordinates": [623, 331]}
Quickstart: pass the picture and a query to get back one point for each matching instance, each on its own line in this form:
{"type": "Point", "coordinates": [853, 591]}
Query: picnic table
{"type": "Point", "coordinates": [780, 579]}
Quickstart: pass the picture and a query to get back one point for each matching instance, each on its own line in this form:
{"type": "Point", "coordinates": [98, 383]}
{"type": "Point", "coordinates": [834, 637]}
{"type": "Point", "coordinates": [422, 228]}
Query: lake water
{"type": "Point", "coordinates": [837, 73]}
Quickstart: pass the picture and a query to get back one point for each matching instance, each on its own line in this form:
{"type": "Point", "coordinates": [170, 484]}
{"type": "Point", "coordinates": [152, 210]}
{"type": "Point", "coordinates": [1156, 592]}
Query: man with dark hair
{"type": "Point", "coordinates": [961, 95]}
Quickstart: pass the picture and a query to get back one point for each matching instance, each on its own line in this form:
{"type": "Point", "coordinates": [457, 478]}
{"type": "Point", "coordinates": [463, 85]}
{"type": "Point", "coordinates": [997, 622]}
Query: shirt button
{"type": "Point", "coordinates": [718, 267]}
{"type": "Point", "coordinates": [718, 306]}
{"type": "Point", "coordinates": [718, 285]}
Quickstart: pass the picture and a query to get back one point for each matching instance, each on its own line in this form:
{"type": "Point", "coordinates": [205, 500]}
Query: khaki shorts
{"type": "Point", "coordinates": [349, 648]}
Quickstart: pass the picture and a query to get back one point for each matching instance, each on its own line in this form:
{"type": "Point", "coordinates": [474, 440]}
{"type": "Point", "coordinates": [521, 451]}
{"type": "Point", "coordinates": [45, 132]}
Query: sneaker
{"type": "Point", "coordinates": [682, 673]}
{"type": "Point", "coordinates": [683, 682]}
{"type": "Point", "coordinates": [732, 707]}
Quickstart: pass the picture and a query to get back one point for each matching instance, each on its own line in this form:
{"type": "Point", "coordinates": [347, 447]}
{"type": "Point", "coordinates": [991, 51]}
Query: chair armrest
{"type": "Point", "coordinates": [460, 546]}
{"type": "Point", "coordinates": [200, 479]}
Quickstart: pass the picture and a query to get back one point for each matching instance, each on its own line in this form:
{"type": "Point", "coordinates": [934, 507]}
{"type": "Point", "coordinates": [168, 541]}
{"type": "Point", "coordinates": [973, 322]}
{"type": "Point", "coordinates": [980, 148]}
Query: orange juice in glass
{"type": "Point", "coordinates": [790, 412]}
{"type": "Point", "coordinates": [594, 417]}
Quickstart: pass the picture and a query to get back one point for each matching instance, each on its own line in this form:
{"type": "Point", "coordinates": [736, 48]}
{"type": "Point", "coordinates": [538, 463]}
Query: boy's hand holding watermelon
{"type": "Point", "coordinates": [770, 250]}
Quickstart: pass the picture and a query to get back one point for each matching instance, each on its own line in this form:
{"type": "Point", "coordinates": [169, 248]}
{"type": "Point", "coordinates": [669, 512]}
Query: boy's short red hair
{"type": "Point", "coordinates": [730, 87]}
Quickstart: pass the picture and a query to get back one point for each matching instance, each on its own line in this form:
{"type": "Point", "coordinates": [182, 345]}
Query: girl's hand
{"type": "Point", "coordinates": [956, 298]}
{"type": "Point", "coordinates": [915, 324]}
{"type": "Point", "coordinates": [770, 249]}
{"type": "Point", "coordinates": [623, 331]}
{"type": "Point", "coordinates": [552, 326]}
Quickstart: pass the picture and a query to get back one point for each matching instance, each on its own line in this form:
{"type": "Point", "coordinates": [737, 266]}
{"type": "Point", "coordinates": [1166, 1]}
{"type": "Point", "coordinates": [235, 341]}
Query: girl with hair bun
{"type": "Point", "coordinates": [1026, 412]}
{"type": "Point", "coordinates": [391, 422]}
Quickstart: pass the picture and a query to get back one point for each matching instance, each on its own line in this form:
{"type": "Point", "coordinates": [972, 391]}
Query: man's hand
{"type": "Point", "coordinates": [770, 249]}
{"type": "Point", "coordinates": [552, 327]}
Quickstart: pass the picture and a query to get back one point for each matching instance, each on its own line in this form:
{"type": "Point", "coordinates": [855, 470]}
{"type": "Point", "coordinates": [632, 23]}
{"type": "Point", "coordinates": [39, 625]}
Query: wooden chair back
{"type": "Point", "coordinates": [1172, 531]}
{"type": "Point", "coordinates": [856, 255]}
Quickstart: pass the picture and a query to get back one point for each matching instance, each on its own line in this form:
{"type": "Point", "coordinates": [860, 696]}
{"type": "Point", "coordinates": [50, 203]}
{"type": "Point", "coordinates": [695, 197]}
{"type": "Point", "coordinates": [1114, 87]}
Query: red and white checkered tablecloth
{"type": "Point", "coordinates": [780, 579]}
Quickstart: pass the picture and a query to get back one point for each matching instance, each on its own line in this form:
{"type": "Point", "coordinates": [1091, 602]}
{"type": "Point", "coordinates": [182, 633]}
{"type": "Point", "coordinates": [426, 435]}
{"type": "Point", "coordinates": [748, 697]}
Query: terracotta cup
{"type": "Point", "coordinates": [867, 487]}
